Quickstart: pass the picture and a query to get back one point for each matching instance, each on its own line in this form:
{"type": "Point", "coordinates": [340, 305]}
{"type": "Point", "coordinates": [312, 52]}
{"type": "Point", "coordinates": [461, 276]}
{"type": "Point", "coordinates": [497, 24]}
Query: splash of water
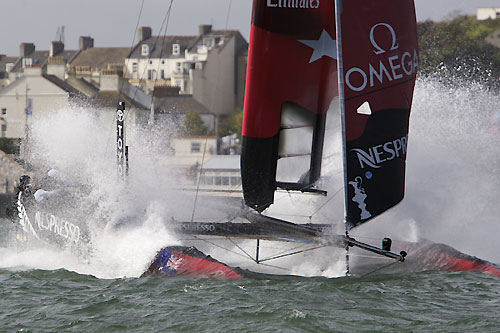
{"type": "Point", "coordinates": [453, 169]}
{"type": "Point", "coordinates": [452, 179]}
{"type": "Point", "coordinates": [125, 219]}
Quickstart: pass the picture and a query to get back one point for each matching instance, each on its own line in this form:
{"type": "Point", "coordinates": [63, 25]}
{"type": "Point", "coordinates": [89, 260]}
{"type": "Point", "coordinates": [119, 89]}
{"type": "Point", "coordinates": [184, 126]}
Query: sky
{"type": "Point", "coordinates": [113, 22]}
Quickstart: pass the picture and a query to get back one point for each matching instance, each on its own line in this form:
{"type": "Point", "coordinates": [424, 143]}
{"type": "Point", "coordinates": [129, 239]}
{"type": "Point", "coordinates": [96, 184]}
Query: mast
{"type": "Point", "coordinates": [121, 149]}
{"type": "Point", "coordinates": [340, 66]}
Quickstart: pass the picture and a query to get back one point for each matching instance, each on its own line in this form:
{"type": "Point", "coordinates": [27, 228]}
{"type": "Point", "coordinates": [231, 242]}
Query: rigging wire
{"type": "Point", "coordinates": [292, 253]}
{"type": "Point", "coordinates": [231, 251]}
{"type": "Point", "coordinates": [212, 106]}
{"type": "Point", "coordinates": [324, 204]}
{"type": "Point", "coordinates": [122, 82]}
{"type": "Point", "coordinates": [380, 268]}
{"type": "Point", "coordinates": [166, 19]}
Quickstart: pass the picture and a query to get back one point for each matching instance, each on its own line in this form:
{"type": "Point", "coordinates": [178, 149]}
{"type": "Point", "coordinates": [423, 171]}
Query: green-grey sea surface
{"type": "Point", "coordinates": [56, 301]}
{"type": "Point", "coordinates": [34, 300]}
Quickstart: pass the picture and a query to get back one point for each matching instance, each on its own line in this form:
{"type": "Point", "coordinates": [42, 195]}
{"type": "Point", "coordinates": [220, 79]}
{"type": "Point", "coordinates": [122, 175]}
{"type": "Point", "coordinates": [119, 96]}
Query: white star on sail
{"type": "Point", "coordinates": [324, 46]}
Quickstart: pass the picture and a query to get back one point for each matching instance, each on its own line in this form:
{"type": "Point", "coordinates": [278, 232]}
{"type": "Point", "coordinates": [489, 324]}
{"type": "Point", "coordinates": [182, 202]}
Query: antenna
{"type": "Point", "coordinates": [60, 34]}
{"type": "Point", "coordinates": [61, 37]}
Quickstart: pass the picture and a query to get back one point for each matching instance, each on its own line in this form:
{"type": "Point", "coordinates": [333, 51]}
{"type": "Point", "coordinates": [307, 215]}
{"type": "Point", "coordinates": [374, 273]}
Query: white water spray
{"type": "Point", "coordinates": [453, 167]}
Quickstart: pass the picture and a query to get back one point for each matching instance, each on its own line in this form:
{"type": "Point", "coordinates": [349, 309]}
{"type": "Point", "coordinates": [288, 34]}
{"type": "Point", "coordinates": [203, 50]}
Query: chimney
{"type": "Point", "coordinates": [204, 28]}
{"type": "Point", "coordinates": [56, 48]}
{"type": "Point", "coordinates": [110, 80]}
{"type": "Point", "coordinates": [56, 67]}
{"type": "Point", "coordinates": [144, 33]}
{"type": "Point", "coordinates": [34, 70]}
{"type": "Point", "coordinates": [85, 42]}
{"type": "Point", "coordinates": [25, 49]}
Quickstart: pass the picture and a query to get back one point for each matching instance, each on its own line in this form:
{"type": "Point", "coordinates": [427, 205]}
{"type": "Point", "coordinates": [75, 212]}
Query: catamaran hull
{"type": "Point", "coordinates": [424, 256]}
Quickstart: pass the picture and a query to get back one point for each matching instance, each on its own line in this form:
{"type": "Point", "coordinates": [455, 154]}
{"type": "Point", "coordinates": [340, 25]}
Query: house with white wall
{"type": "Point", "coordinates": [210, 66]}
{"type": "Point", "coordinates": [31, 95]}
{"type": "Point", "coordinates": [488, 13]}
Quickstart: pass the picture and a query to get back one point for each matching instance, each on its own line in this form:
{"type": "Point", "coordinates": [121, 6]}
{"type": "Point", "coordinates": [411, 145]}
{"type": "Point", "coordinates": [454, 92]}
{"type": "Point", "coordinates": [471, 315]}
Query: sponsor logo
{"type": "Point", "coordinates": [360, 196]}
{"type": "Point", "coordinates": [173, 263]}
{"type": "Point", "coordinates": [24, 221]}
{"type": "Point", "coordinates": [388, 68]}
{"type": "Point", "coordinates": [119, 140]}
{"type": "Point", "coordinates": [58, 226]}
{"type": "Point", "coordinates": [293, 3]}
{"type": "Point", "coordinates": [377, 155]}
{"type": "Point", "coordinates": [198, 227]}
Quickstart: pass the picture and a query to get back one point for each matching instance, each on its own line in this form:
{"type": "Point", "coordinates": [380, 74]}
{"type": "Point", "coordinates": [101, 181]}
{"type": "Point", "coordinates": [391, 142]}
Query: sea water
{"type": "Point", "coordinates": [452, 185]}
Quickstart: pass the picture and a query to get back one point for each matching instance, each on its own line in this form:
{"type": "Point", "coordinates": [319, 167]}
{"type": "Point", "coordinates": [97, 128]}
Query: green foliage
{"type": "Point", "coordinates": [9, 145]}
{"type": "Point", "coordinates": [231, 124]}
{"type": "Point", "coordinates": [193, 125]}
{"type": "Point", "coordinates": [457, 49]}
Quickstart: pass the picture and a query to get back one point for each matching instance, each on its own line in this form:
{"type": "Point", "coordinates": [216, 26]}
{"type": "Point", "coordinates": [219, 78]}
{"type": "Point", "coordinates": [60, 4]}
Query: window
{"type": "Point", "coordinates": [145, 50]}
{"type": "Point", "coordinates": [178, 66]}
{"type": "Point", "coordinates": [151, 74]}
{"type": "Point", "coordinates": [134, 67]}
{"type": "Point", "coordinates": [9, 66]}
{"type": "Point", "coordinates": [163, 61]}
{"type": "Point", "coordinates": [208, 42]}
{"type": "Point", "coordinates": [195, 147]}
{"type": "Point", "coordinates": [207, 180]}
{"type": "Point", "coordinates": [150, 62]}
{"type": "Point", "coordinates": [162, 74]}
{"type": "Point", "coordinates": [4, 111]}
{"type": "Point", "coordinates": [4, 130]}
{"type": "Point", "coordinates": [176, 49]}
{"type": "Point", "coordinates": [27, 62]}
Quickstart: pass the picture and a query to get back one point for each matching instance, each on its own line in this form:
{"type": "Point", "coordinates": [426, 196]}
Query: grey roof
{"type": "Point", "coordinates": [161, 46]}
{"type": "Point", "coordinates": [63, 85]}
{"type": "Point", "coordinates": [82, 85]}
{"type": "Point", "coordinates": [222, 34]}
{"type": "Point", "coordinates": [180, 104]}
{"type": "Point", "coordinates": [100, 57]}
{"type": "Point", "coordinates": [109, 99]}
{"type": "Point", "coordinates": [4, 60]}
{"type": "Point", "coordinates": [40, 58]}
{"type": "Point", "coordinates": [223, 162]}
{"type": "Point", "coordinates": [37, 58]}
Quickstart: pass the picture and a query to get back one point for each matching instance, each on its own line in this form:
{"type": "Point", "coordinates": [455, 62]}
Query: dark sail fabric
{"type": "Point", "coordinates": [291, 66]}
{"type": "Point", "coordinates": [379, 59]}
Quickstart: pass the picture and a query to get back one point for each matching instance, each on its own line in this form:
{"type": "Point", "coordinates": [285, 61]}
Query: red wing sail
{"type": "Point", "coordinates": [379, 57]}
{"type": "Point", "coordinates": [291, 80]}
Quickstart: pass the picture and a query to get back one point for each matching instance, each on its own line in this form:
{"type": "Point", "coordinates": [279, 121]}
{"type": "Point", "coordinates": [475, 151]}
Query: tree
{"type": "Point", "coordinates": [458, 49]}
{"type": "Point", "coordinates": [9, 145]}
{"type": "Point", "coordinates": [193, 125]}
{"type": "Point", "coordinates": [232, 123]}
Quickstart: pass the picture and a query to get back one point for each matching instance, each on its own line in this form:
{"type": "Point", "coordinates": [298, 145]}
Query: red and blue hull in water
{"type": "Point", "coordinates": [179, 261]}
{"type": "Point", "coordinates": [188, 262]}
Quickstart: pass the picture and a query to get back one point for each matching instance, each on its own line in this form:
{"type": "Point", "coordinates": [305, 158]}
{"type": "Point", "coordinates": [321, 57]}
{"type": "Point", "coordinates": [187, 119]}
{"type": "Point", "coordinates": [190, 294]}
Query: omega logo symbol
{"type": "Point", "coordinates": [378, 49]}
{"type": "Point", "coordinates": [119, 115]}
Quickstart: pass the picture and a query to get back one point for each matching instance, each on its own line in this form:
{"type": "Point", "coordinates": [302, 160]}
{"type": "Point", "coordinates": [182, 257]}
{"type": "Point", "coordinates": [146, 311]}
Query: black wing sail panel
{"type": "Point", "coordinates": [291, 81]}
{"type": "Point", "coordinates": [378, 61]}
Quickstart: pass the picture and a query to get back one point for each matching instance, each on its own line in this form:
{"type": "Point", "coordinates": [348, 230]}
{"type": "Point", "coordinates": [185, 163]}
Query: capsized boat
{"type": "Point", "coordinates": [317, 62]}
{"type": "Point", "coordinates": [311, 64]}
